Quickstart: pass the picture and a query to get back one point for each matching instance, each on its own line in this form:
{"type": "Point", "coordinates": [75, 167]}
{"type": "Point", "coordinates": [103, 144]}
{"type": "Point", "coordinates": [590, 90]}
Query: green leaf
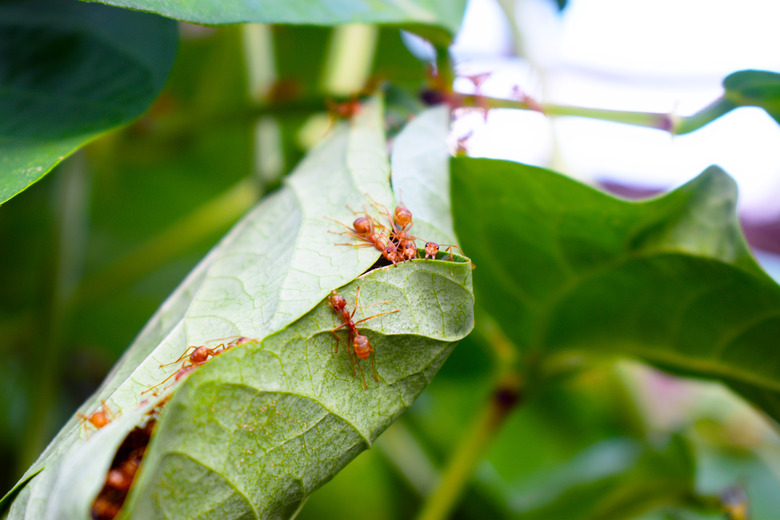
{"type": "Point", "coordinates": [437, 20]}
{"type": "Point", "coordinates": [617, 479]}
{"type": "Point", "coordinates": [266, 426]}
{"type": "Point", "coordinates": [421, 180]}
{"type": "Point", "coordinates": [745, 88]}
{"type": "Point", "coordinates": [69, 72]}
{"type": "Point", "coordinates": [568, 271]}
{"type": "Point", "coordinates": [276, 265]}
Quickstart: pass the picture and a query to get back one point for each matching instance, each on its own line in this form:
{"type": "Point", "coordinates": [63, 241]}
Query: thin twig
{"type": "Point", "coordinates": [507, 394]}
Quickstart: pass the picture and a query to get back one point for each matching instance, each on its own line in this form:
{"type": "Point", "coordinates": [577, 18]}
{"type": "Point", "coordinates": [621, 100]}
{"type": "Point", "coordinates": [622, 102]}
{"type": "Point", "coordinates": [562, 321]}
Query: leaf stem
{"type": "Point", "coordinates": [506, 395]}
{"type": "Point", "coordinates": [405, 453]}
{"type": "Point", "coordinates": [210, 218]}
{"type": "Point", "coordinates": [656, 120]}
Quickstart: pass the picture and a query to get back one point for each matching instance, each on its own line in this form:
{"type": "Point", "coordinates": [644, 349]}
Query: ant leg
{"type": "Point", "coordinates": [357, 302]}
{"type": "Point", "coordinates": [84, 420]}
{"type": "Point", "coordinates": [373, 305]}
{"type": "Point", "coordinates": [181, 358]}
{"type": "Point", "coordinates": [362, 375]}
{"type": "Point", "coordinates": [350, 351]}
{"type": "Point", "coordinates": [241, 340]}
{"type": "Point", "coordinates": [337, 340]}
{"type": "Point", "coordinates": [355, 245]}
{"type": "Point", "coordinates": [222, 339]}
{"type": "Point", "coordinates": [110, 415]}
{"type": "Point", "coordinates": [377, 315]}
{"type": "Point", "coordinates": [356, 212]}
{"type": "Point", "coordinates": [381, 208]}
{"type": "Point", "coordinates": [160, 383]}
{"type": "Point", "coordinates": [449, 250]}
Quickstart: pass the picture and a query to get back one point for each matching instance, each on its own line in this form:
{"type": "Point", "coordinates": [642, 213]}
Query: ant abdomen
{"type": "Point", "coordinates": [362, 346]}
{"type": "Point", "coordinates": [402, 216]}
{"type": "Point", "coordinates": [363, 226]}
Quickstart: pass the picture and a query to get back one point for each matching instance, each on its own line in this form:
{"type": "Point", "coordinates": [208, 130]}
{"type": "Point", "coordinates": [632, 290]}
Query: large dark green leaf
{"type": "Point", "coordinates": [437, 20]}
{"type": "Point", "coordinates": [288, 395]}
{"type": "Point", "coordinates": [68, 72]}
{"type": "Point", "coordinates": [568, 271]}
{"type": "Point", "coordinates": [745, 88]}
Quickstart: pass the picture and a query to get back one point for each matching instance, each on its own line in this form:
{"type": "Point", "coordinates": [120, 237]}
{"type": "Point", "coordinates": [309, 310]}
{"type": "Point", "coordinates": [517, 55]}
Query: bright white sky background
{"type": "Point", "coordinates": [644, 55]}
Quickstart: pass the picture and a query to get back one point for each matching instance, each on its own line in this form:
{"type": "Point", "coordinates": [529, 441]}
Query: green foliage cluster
{"type": "Point", "coordinates": [544, 411]}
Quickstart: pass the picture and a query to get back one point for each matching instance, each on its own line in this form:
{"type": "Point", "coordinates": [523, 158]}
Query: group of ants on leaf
{"type": "Point", "coordinates": [396, 245]}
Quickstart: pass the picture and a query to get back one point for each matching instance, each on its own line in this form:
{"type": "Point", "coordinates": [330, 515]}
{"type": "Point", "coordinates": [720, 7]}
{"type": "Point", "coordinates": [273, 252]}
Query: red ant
{"type": "Point", "coordinates": [199, 356]}
{"type": "Point", "coordinates": [124, 468]}
{"type": "Point", "coordinates": [400, 223]}
{"type": "Point", "coordinates": [360, 345]}
{"type": "Point", "coordinates": [345, 110]}
{"type": "Point", "coordinates": [432, 249]}
{"type": "Point", "coordinates": [121, 478]}
{"type": "Point", "coordinates": [202, 353]}
{"type": "Point", "coordinates": [100, 418]}
{"type": "Point", "coordinates": [365, 229]}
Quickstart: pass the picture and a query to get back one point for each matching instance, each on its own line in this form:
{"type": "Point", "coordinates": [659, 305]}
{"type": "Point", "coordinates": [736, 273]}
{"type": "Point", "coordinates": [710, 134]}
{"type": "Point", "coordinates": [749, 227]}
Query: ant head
{"type": "Point", "coordinates": [390, 252]}
{"type": "Point", "coordinates": [410, 251]}
{"type": "Point", "coordinates": [337, 301]}
{"type": "Point", "coordinates": [402, 216]}
{"type": "Point", "coordinates": [363, 226]}
{"type": "Point", "coordinates": [431, 248]}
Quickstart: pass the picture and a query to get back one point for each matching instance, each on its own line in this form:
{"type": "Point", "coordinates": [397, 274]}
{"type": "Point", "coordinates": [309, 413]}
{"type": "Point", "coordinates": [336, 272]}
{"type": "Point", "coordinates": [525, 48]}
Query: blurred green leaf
{"type": "Point", "coordinates": [745, 88]}
{"type": "Point", "coordinates": [437, 20]}
{"type": "Point", "coordinates": [616, 479]}
{"type": "Point", "coordinates": [70, 71]}
{"type": "Point", "coordinates": [568, 271]}
{"type": "Point", "coordinates": [395, 63]}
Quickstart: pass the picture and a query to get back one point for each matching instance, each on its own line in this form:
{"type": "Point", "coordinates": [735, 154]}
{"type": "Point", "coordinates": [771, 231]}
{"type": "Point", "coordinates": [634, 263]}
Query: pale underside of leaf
{"type": "Point", "coordinates": [268, 424]}
{"type": "Point", "coordinates": [275, 265]}
{"type": "Point", "coordinates": [272, 268]}
{"type": "Point", "coordinates": [421, 174]}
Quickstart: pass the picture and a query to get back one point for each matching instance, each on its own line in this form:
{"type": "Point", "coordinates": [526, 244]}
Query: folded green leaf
{"type": "Point", "coordinates": [268, 424]}
{"type": "Point", "coordinates": [275, 266]}
{"type": "Point", "coordinates": [568, 271]}
{"type": "Point", "coordinates": [437, 20]}
{"type": "Point", "coordinates": [69, 72]}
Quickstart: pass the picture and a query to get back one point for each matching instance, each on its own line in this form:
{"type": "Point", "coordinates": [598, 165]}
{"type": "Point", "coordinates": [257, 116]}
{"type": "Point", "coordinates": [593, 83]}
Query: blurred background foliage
{"type": "Point", "coordinates": [111, 233]}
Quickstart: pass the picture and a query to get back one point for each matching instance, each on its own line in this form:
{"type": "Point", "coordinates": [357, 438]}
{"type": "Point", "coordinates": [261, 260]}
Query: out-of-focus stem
{"type": "Point", "coordinates": [408, 457]}
{"type": "Point", "coordinates": [646, 119]}
{"type": "Point", "coordinates": [507, 394]}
